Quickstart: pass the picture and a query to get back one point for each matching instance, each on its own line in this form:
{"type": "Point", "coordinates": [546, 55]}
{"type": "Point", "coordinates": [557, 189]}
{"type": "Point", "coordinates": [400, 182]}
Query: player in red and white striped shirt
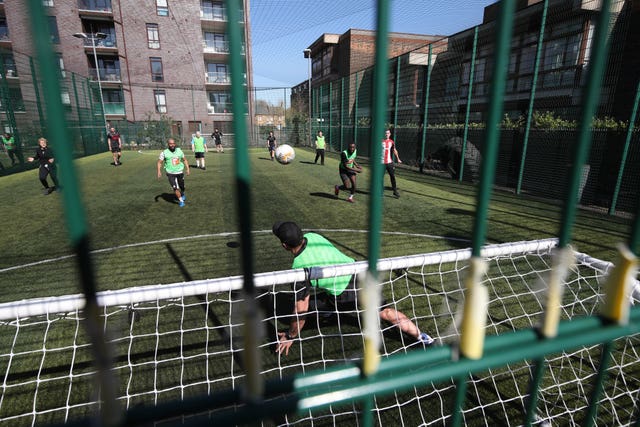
{"type": "Point", "coordinates": [388, 151]}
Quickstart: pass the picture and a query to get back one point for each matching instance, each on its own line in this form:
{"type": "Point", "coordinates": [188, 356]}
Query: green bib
{"type": "Point", "coordinates": [172, 163]}
{"type": "Point", "coordinates": [198, 144]}
{"type": "Point", "coordinates": [320, 252]}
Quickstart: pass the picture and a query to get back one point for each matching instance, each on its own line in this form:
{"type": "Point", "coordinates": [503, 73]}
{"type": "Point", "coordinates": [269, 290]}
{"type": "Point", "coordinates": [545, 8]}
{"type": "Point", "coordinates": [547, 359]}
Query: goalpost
{"type": "Point", "coordinates": [180, 340]}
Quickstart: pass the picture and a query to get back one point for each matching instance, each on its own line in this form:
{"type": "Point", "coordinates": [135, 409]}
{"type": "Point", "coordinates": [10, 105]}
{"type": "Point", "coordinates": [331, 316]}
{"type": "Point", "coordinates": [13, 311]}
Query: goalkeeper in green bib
{"type": "Point", "coordinates": [313, 250]}
{"type": "Point", "coordinates": [174, 163]}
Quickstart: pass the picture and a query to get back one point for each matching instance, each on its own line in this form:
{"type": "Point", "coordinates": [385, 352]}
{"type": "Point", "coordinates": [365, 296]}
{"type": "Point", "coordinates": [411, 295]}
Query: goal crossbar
{"type": "Point", "coordinates": [71, 303]}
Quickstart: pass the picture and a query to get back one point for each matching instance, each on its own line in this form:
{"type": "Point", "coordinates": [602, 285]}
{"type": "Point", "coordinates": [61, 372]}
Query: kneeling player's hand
{"type": "Point", "coordinates": [284, 343]}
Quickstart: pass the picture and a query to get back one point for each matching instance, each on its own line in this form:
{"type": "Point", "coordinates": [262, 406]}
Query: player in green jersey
{"type": "Point", "coordinates": [174, 163]}
{"type": "Point", "coordinates": [199, 146]}
{"type": "Point", "coordinates": [348, 169]}
{"type": "Point", "coordinates": [313, 250]}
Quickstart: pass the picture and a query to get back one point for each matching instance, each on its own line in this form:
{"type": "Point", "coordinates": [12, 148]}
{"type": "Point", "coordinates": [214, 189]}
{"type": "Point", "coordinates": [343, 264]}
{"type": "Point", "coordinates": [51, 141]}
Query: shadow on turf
{"type": "Point", "coordinates": [333, 196]}
{"type": "Point", "coordinates": [456, 211]}
{"type": "Point", "coordinates": [167, 197]}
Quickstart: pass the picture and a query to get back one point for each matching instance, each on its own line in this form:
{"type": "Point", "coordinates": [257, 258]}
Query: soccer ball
{"type": "Point", "coordinates": [285, 154]}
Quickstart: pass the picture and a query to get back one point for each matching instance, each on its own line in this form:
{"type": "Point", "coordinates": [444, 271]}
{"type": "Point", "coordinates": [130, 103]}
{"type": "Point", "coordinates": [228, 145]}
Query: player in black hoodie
{"type": "Point", "coordinates": [47, 167]}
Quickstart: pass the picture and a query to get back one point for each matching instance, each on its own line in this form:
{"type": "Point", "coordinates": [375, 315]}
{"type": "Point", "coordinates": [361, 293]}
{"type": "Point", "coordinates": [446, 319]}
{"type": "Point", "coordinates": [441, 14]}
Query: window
{"type": "Point", "coordinates": [4, 30]}
{"type": "Point", "coordinates": [113, 101]}
{"type": "Point", "coordinates": [66, 99]}
{"type": "Point", "coordinates": [160, 100]}
{"type": "Point", "coordinates": [219, 102]}
{"type": "Point", "coordinates": [156, 70]}
{"type": "Point", "coordinates": [48, 3]}
{"type": "Point", "coordinates": [162, 7]}
{"type": "Point", "coordinates": [326, 61]}
{"type": "Point", "coordinates": [53, 30]}
{"type": "Point", "coordinates": [153, 36]}
{"type": "Point", "coordinates": [61, 65]}
{"type": "Point", "coordinates": [213, 10]}
{"type": "Point", "coordinates": [218, 73]}
{"type": "Point", "coordinates": [562, 52]}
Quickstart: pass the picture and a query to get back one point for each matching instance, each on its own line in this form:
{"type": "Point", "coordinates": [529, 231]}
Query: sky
{"type": "Point", "coordinates": [282, 29]}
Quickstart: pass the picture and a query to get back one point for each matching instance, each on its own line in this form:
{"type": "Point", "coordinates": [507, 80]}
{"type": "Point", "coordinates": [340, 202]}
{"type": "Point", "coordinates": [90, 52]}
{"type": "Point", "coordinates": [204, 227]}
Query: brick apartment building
{"type": "Point", "coordinates": [153, 57]}
{"type": "Point", "coordinates": [561, 73]}
{"type": "Point", "coordinates": [334, 56]}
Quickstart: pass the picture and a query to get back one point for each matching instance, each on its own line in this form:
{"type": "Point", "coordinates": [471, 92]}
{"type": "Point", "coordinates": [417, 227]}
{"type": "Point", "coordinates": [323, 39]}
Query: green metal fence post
{"type": "Point", "coordinates": [36, 92]}
{"type": "Point", "coordinates": [254, 384]}
{"type": "Point", "coordinates": [468, 109]}
{"type": "Point", "coordinates": [80, 122]}
{"type": "Point", "coordinates": [330, 112]}
{"type": "Point", "coordinates": [395, 102]}
{"type": "Point", "coordinates": [532, 95]}
{"type": "Point", "coordinates": [425, 113]}
{"type": "Point", "coordinates": [589, 104]}
{"type": "Point", "coordinates": [627, 143]}
{"type": "Point", "coordinates": [355, 111]}
{"type": "Point", "coordinates": [77, 226]}
{"type": "Point", "coordinates": [342, 113]}
{"type": "Point", "coordinates": [320, 113]}
{"type": "Point", "coordinates": [9, 107]}
{"type": "Point", "coordinates": [503, 30]}
{"type": "Point", "coordinates": [380, 91]}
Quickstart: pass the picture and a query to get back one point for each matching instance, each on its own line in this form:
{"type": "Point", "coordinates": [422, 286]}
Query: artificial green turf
{"type": "Point", "coordinates": [127, 207]}
{"type": "Point", "coordinates": [140, 236]}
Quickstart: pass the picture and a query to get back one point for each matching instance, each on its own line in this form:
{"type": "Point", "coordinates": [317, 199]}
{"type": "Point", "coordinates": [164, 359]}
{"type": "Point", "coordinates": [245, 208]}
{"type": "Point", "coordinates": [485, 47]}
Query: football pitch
{"type": "Point", "coordinates": [139, 237]}
{"type": "Point", "coordinates": [135, 225]}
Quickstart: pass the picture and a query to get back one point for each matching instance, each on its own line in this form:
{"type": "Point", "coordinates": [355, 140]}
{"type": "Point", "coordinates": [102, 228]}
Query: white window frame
{"type": "Point", "coordinates": [160, 99]}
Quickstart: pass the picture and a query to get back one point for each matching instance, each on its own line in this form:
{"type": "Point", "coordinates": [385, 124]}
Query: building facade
{"type": "Point", "coordinates": [151, 59]}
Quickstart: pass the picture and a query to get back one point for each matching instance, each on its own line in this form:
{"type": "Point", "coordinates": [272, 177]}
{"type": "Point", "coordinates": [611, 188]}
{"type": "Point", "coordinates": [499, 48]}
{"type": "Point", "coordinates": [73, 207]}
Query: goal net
{"type": "Point", "coordinates": [175, 341]}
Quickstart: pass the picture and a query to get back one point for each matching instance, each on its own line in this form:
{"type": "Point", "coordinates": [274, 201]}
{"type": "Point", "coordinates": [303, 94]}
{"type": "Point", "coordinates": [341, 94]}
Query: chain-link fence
{"type": "Point", "coordinates": [23, 111]}
{"type": "Point", "coordinates": [438, 105]}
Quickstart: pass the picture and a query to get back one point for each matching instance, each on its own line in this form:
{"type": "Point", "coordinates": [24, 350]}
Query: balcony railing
{"type": "Point", "coordinates": [221, 78]}
{"type": "Point", "coordinates": [95, 5]}
{"type": "Point", "coordinates": [110, 41]}
{"type": "Point", "coordinates": [106, 74]}
{"type": "Point", "coordinates": [217, 46]}
{"type": "Point", "coordinates": [218, 78]}
{"type": "Point", "coordinates": [217, 13]}
{"type": "Point", "coordinates": [211, 46]}
{"type": "Point", "coordinates": [114, 108]}
{"type": "Point", "coordinates": [11, 71]}
{"type": "Point", "coordinates": [219, 108]}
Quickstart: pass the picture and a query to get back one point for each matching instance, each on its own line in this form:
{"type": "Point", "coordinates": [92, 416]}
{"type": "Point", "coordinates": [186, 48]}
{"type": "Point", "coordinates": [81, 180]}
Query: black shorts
{"type": "Point", "coordinates": [176, 181]}
{"type": "Point", "coordinates": [346, 301]}
{"type": "Point", "coordinates": [116, 150]}
{"type": "Point", "coordinates": [199, 154]}
{"type": "Point", "coordinates": [345, 175]}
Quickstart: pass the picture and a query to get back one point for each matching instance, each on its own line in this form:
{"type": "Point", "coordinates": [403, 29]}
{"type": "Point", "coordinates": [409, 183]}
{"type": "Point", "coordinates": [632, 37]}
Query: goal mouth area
{"type": "Point", "coordinates": [134, 295]}
{"type": "Point", "coordinates": [183, 340]}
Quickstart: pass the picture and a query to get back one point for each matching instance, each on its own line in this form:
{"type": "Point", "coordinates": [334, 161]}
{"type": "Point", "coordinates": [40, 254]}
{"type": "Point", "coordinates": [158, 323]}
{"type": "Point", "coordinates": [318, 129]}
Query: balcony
{"type": "Point", "coordinates": [218, 78]}
{"type": "Point", "coordinates": [10, 72]}
{"type": "Point", "coordinates": [215, 46]}
{"type": "Point", "coordinates": [109, 42]}
{"type": "Point", "coordinates": [99, 6]}
{"type": "Point", "coordinates": [114, 108]}
{"type": "Point", "coordinates": [217, 13]}
{"type": "Point", "coordinates": [213, 13]}
{"type": "Point", "coordinates": [219, 108]}
{"type": "Point", "coordinates": [4, 34]}
{"type": "Point", "coordinates": [217, 50]}
{"type": "Point", "coordinates": [107, 75]}
{"type": "Point", "coordinates": [221, 78]}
